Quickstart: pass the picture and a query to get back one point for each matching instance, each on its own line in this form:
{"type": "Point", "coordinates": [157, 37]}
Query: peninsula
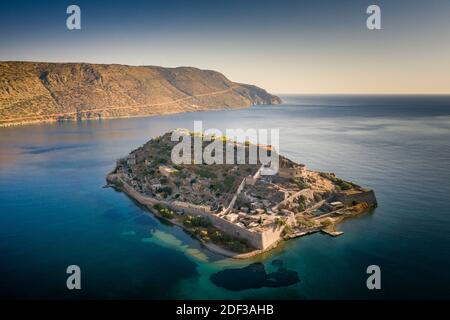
{"type": "Point", "coordinates": [232, 209]}
{"type": "Point", "coordinates": [33, 92]}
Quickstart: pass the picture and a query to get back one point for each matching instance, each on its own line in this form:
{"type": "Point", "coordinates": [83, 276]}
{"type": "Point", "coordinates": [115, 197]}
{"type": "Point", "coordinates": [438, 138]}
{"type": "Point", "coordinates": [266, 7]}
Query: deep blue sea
{"type": "Point", "coordinates": [55, 213]}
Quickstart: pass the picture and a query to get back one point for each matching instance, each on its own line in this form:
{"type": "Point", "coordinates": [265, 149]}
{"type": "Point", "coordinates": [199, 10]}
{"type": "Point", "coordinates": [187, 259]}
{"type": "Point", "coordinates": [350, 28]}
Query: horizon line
{"type": "Point", "coordinates": [223, 72]}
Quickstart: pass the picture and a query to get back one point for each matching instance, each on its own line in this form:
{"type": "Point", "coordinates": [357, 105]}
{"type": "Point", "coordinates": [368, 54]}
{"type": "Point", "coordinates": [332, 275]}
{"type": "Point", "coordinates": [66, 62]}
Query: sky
{"type": "Point", "coordinates": [283, 46]}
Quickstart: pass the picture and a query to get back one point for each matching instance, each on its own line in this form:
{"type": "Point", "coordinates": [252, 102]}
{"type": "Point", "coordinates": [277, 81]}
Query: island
{"type": "Point", "coordinates": [233, 209]}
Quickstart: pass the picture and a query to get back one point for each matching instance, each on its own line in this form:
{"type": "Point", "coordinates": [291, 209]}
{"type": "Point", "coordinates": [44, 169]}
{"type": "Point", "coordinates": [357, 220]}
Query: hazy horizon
{"type": "Point", "coordinates": [285, 47]}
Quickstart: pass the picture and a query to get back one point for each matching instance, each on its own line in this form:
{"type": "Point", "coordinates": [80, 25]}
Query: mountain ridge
{"type": "Point", "coordinates": [33, 92]}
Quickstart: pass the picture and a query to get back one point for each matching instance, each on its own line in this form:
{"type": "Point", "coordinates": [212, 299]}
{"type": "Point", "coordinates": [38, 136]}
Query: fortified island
{"type": "Point", "coordinates": [232, 209]}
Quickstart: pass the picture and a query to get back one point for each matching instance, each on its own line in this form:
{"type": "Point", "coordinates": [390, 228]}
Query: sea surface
{"type": "Point", "coordinates": [55, 213]}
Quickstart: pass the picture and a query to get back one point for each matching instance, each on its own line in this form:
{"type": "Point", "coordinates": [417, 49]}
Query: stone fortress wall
{"type": "Point", "coordinates": [349, 199]}
{"type": "Point", "coordinates": [258, 239]}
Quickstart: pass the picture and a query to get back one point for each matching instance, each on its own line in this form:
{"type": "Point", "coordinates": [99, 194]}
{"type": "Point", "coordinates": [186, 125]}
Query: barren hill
{"type": "Point", "coordinates": [37, 92]}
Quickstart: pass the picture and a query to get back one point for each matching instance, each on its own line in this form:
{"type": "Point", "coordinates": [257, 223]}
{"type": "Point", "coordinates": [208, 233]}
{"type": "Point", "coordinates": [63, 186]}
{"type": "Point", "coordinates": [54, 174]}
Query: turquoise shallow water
{"type": "Point", "coordinates": [54, 211]}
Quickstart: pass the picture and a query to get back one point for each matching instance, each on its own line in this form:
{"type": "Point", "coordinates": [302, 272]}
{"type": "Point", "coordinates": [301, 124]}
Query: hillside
{"type": "Point", "coordinates": [37, 92]}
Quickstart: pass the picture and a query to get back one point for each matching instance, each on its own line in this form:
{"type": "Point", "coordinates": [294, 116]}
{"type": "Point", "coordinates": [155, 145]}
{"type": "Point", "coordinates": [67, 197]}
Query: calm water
{"type": "Point", "coordinates": [54, 211]}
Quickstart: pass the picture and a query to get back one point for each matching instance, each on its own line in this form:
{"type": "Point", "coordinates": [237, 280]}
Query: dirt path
{"type": "Point", "coordinates": [57, 115]}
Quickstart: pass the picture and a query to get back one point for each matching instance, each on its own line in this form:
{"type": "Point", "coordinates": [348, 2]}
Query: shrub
{"type": "Point", "coordinates": [118, 183]}
{"type": "Point", "coordinates": [205, 173]}
{"type": "Point", "coordinates": [188, 221]}
{"type": "Point", "coordinates": [228, 183]}
{"type": "Point", "coordinates": [197, 221]}
{"type": "Point", "coordinates": [345, 185]}
{"type": "Point", "coordinates": [200, 221]}
{"type": "Point", "coordinates": [204, 235]}
{"type": "Point", "coordinates": [178, 167]}
{"type": "Point", "coordinates": [301, 207]}
{"type": "Point", "coordinates": [326, 223]}
{"type": "Point", "coordinates": [217, 187]}
{"type": "Point", "coordinates": [217, 237]}
{"type": "Point", "coordinates": [166, 213]}
{"type": "Point", "coordinates": [304, 222]}
{"type": "Point", "coordinates": [328, 176]}
{"type": "Point", "coordinates": [280, 222]}
{"type": "Point", "coordinates": [287, 230]}
{"type": "Point", "coordinates": [163, 211]}
{"type": "Point", "coordinates": [237, 246]}
{"type": "Point", "coordinates": [301, 183]}
{"type": "Point", "coordinates": [166, 190]}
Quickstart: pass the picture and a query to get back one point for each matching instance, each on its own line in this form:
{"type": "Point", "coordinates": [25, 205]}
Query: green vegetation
{"type": "Point", "coordinates": [117, 182]}
{"type": "Point", "coordinates": [197, 221]}
{"type": "Point", "coordinates": [164, 211]}
{"type": "Point", "coordinates": [329, 176]}
{"type": "Point", "coordinates": [202, 228]}
{"type": "Point", "coordinates": [300, 182]}
{"type": "Point", "coordinates": [158, 161]}
{"type": "Point", "coordinates": [305, 223]}
{"type": "Point", "coordinates": [165, 190]}
{"type": "Point", "coordinates": [223, 186]}
{"type": "Point", "coordinates": [228, 183]}
{"type": "Point", "coordinates": [301, 207]}
{"type": "Point", "coordinates": [287, 230]}
{"type": "Point", "coordinates": [345, 185]}
{"type": "Point", "coordinates": [178, 167]}
{"type": "Point", "coordinates": [280, 222]}
{"type": "Point", "coordinates": [326, 223]}
{"type": "Point", "coordinates": [182, 174]}
{"type": "Point", "coordinates": [233, 244]}
{"type": "Point", "coordinates": [205, 173]}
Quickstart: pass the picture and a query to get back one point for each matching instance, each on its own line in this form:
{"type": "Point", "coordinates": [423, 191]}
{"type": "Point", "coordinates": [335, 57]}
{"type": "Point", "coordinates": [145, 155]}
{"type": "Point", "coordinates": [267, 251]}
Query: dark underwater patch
{"type": "Point", "coordinates": [277, 263]}
{"type": "Point", "coordinates": [254, 276]}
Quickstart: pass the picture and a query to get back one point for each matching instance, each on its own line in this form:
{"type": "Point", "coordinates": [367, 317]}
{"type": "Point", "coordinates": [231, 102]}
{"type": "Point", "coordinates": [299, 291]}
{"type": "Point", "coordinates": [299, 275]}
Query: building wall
{"type": "Point", "coordinates": [291, 172]}
{"type": "Point", "coordinates": [258, 240]}
{"type": "Point", "coordinates": [348, 199]}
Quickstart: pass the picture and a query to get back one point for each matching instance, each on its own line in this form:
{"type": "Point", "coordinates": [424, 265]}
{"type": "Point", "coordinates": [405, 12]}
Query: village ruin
{"type": "Point", "coordinates": [234, 209]}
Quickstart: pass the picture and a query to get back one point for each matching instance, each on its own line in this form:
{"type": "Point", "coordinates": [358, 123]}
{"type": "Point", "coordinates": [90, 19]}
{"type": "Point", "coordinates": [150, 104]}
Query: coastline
{"type": "Point", "coordinates": [148, 203]}
{"type": "Point", "coordinates": [168, 113]}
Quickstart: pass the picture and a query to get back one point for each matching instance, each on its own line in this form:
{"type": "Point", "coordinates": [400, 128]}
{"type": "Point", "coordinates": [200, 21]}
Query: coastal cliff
{"type": "Point", "coordinates": [47, 92]}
